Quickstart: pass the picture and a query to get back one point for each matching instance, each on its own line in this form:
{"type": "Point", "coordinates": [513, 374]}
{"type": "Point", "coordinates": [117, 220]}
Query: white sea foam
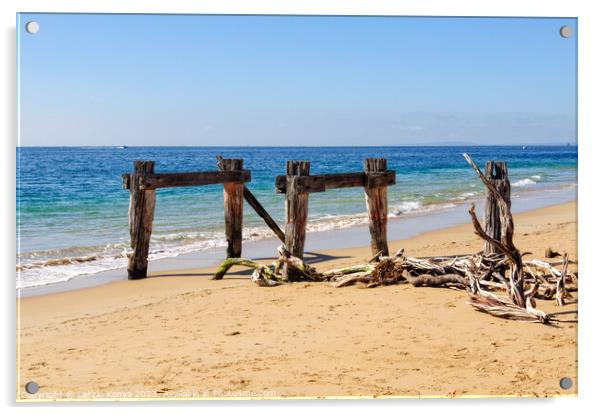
{"type": "Point", "coordinates": [37, 276]}
{"type": "Point", "coordinates": [466, 195]}
{"type": "Point", "coordinates": [536, 177]}
{"type": "Point", "coordinates": [524, 183]}
{"type": "Point", "coordinates": [417, 208]}
{"type": "Point", "coordinates": [408, 206]}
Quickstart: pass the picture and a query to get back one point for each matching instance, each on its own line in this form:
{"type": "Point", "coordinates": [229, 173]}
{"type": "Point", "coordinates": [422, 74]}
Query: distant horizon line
{"type": "Point", "coordinates": [312, 146]}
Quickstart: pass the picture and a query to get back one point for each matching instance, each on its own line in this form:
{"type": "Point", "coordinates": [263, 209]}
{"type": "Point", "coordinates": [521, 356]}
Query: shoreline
{"type": "Point", "coordinates": [349, 237]}
{"type": "Point", "coordinates": [174, 329]}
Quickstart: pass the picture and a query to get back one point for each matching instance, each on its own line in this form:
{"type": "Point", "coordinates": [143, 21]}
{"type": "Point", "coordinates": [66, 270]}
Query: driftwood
{"type": "Point", "coordinates": [471, 272]}
{"type": "Point", "coordinates": [505, 244]}
{"type": "Point", "coordinates": [273, 274]}
{"type": "Point", "coordinates": [249, 263]}
{"type": "Point", "coordinates": [500, 284]}
{"type": "Point", "coordinates": [561, 292]}
{"type": "Point", "coordinates": [351, 279]}
{"type": "Point", "coordinates": [427, 280]}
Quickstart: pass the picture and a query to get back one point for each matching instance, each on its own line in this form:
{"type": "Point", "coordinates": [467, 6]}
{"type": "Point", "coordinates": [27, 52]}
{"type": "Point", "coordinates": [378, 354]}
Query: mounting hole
{"type": "Point", "coordinates": [32, 27]}
{"type": "Point", "coordinates": [31, 387]}
{"type": "Point", "coordinates": [566, 383]}
{"type": "Point", "coordinates": [566, 31]}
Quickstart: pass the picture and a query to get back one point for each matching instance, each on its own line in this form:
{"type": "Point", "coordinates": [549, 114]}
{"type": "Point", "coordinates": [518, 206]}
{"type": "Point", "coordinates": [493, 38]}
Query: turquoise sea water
{"type": "Point", "coordinates": [72, 212]}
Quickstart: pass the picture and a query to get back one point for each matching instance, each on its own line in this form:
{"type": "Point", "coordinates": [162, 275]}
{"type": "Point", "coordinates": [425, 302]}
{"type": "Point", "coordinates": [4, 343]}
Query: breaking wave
{"type": "Point", "coordinates": [524, 183]}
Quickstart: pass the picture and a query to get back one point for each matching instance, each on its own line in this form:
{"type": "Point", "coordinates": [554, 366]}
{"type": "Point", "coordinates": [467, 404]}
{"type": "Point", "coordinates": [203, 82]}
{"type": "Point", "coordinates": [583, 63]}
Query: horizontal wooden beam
{"type": "Point", "coordinates": [323, 182]}
{"type": "Point", "coordinates": [156, 181]}
{"type": "Point", "coordinates": [307, 184]}
{"type": "Point", "coordinates": [379, 179]}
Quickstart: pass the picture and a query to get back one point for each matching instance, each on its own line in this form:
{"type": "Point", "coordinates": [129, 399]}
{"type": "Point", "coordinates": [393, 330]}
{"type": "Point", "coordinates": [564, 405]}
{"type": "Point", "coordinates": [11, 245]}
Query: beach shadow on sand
{"type": "Point", "coordinates": [311, 257]}
{"type": "Point", "coordinates": [244, 273]}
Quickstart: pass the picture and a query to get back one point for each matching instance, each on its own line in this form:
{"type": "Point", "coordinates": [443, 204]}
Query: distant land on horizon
{"type": "Point", "coordinates": [433, 144]}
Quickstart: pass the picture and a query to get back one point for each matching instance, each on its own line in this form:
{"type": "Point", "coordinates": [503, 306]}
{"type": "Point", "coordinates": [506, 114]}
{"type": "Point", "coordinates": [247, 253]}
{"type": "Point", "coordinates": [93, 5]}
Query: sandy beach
{"type": "Point", "coordinates": [179, 334]}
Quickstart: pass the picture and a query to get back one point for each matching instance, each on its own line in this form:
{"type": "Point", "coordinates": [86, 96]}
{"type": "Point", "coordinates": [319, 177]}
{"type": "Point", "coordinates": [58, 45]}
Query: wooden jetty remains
{"type": "Point", "coordinates": [298, 183]}
{"type": "Point", "coordinates": [143, 182]}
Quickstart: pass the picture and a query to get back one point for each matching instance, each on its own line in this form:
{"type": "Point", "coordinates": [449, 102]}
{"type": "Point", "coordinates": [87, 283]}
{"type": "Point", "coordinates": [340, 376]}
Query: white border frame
{"type": "Point", "coordinates": [590, 30]}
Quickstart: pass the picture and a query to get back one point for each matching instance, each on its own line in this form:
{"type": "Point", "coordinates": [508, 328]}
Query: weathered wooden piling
{"type": "Point", "coordinates": [257, 207]}
{"type": "Point", "coordinates": [497, 172]}
{"type": "Point", "coordinates": [376, 203]}
{"type": "Point", "coordinates": [295, 208]}
{"type": "Point", "coordinates": [233, 211]}
{"type": "Point", "coordinates": [141, 212]}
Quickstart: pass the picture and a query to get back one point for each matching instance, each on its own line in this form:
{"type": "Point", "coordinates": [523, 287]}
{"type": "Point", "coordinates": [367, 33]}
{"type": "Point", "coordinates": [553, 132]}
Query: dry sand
{"type": "Point", "coordinates": [181, 335]}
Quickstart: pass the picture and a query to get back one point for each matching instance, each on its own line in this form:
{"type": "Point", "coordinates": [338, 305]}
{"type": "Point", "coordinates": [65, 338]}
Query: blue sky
{"type": "Point", "coordinates": [295, 80]}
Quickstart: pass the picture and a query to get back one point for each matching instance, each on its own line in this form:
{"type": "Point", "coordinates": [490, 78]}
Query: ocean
{"type": "Point", "coordinates": [72, 214]}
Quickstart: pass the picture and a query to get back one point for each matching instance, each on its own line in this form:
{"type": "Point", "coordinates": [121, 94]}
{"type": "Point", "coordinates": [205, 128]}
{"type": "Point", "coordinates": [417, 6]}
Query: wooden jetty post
{"type": "Point", "coordinates": [295, 208]}
{"type": "Point", "coordinates": [233, 199]}
{"type": "Point", "coordinates": [254, 203]}
{"type": "Point", "coordinates": [376, 203]}
{"type": "Point", "coordinates": [497, 172]}
{"type": "Point", "coordinates": [141, 212]}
